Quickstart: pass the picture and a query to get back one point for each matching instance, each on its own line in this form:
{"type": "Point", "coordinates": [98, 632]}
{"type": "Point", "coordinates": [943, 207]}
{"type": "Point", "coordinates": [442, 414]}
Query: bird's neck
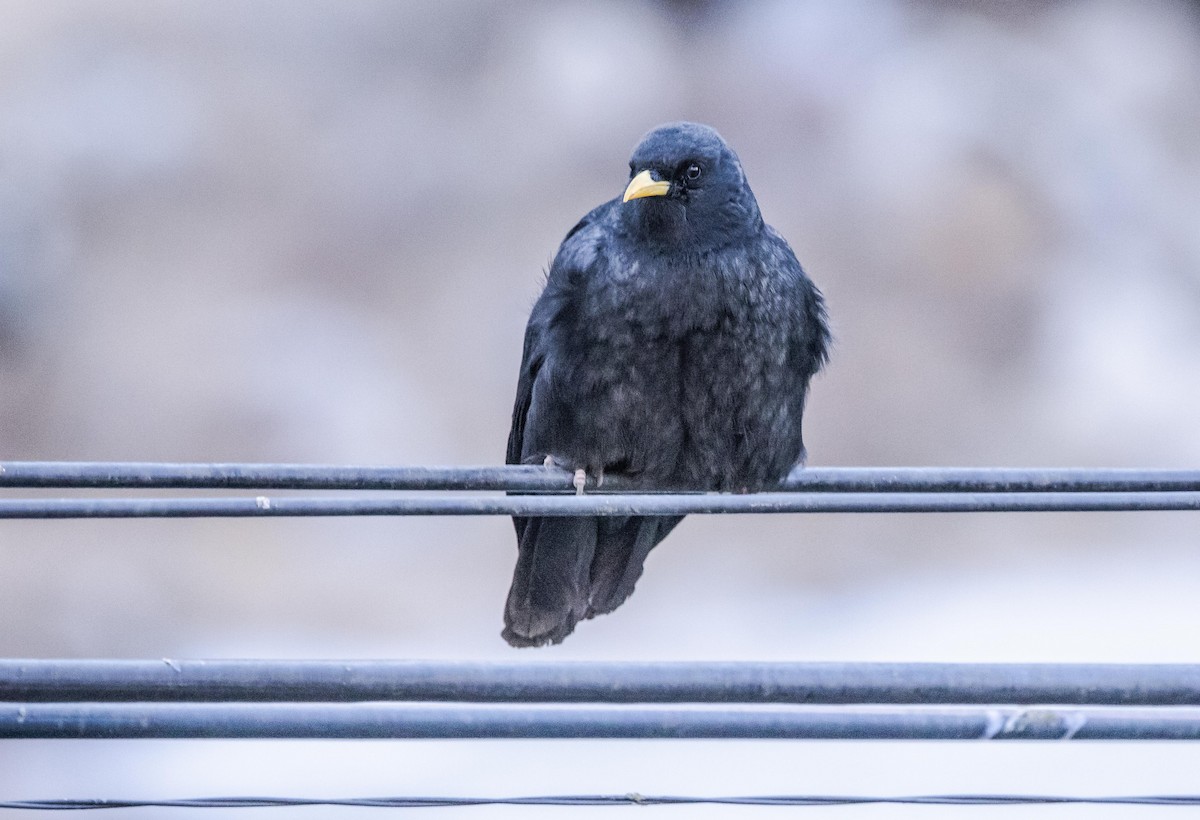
{"type": "Point", "coordinates": [669, 227]}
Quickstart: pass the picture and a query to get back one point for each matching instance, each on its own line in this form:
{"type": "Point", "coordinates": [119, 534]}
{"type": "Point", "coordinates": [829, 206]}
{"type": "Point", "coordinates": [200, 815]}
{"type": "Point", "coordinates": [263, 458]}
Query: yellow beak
{"type": "Point", "coordinates": [643, 185]}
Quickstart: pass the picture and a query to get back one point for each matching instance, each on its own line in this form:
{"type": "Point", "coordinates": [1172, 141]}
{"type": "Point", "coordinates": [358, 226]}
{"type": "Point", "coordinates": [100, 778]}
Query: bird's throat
{"type": "Point", "coordinates": [661, 223]}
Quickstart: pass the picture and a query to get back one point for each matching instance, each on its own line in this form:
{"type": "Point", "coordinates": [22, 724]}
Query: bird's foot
{"type": "Point", "coordinates": [579, 477]}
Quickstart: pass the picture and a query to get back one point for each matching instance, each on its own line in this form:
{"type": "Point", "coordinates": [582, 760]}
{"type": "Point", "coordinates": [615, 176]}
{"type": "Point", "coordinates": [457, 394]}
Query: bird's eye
{"type": "Point", "coordinates": [693, 171]}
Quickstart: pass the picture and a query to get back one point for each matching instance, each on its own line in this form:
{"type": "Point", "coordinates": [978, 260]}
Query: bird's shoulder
{"type": "Point", "coordinates": [586, 241]}
{"type": "Point", "coordinates": [811, 334]}
{"type": "Point", "coordinates": [773, 251]}
{"type": "Point", "coordinates": [586, 258]}
{"type": "Point", "coordinates": [581, 250]}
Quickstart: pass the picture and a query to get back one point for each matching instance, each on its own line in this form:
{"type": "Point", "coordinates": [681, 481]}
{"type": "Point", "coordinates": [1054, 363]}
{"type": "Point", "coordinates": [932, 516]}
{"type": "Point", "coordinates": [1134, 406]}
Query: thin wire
{"type": "Point", "coordinates": [630, 799]}
{"type": "Point", "coordinates": [601, 505]}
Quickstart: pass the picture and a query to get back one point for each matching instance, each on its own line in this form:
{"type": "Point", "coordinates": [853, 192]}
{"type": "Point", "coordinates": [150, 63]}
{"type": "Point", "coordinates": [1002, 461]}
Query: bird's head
{"type": "Point", "coordinates": [687, 190]}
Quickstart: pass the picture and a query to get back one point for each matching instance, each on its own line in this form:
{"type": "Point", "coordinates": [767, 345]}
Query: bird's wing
{"type": "Point", "coordinates": [576, 253]}
{"type": "Point", "coordinates": [808, 337]}
{"type": "Point", "coordinates": [531, 363]}
{"type": "Point", "coordinates": [550, 587]}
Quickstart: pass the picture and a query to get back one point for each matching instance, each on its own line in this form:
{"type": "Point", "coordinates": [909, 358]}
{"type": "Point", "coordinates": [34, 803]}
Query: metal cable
{"type": "Point", "coordinates": [599, 682]}
{"type": "Point", "coordinates": [146, 475]}
{"type": "Point", "coordinates": [606, 505]}
{"type": "Point", "coordinates": [386, 720]}
{"type": "Point", "coordinates": [630, 799]}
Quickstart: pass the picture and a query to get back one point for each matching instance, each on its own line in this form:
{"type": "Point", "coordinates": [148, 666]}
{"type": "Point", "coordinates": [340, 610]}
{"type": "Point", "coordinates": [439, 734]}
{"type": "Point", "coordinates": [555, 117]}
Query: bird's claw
{"type": "Point", "coordinates": [578, 480]}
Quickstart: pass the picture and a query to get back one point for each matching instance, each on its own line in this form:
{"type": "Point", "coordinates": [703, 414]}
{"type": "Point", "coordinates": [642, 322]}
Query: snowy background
{"type": "Point", "coordinates": [311, 232]}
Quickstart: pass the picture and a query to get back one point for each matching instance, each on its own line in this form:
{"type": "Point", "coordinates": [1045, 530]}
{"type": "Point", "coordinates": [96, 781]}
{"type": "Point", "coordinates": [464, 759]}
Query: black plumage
{"type": "Point", "coordinates": [673, 344]}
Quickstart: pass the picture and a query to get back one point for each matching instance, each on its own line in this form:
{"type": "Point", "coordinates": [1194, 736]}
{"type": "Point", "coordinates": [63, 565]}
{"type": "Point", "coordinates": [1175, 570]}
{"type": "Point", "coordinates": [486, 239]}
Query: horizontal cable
{"type": "Point", "coordinates": [591, 682]}
{"type": "Point", "coordinates": [143, 475]}
{"type": "Point", "coordinates": [375, 720]}
{"type": "Point", "coordinates": [619, 505]}
{"type": "Point", "coordinates": [629, 799]}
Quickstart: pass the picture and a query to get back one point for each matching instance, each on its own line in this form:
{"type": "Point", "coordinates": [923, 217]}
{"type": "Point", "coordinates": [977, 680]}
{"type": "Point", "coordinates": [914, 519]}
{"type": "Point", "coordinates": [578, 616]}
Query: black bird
{"type": "Point", "coordinates": [673, 344]}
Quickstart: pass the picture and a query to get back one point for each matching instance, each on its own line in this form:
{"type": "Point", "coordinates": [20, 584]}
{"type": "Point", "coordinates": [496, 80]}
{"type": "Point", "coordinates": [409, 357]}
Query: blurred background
{"type": "Point", "coordinates": [311, 232]}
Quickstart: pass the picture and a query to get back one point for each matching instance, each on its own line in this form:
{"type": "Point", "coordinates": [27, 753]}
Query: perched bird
{"type": "Point", "coordinates": [673, 344]}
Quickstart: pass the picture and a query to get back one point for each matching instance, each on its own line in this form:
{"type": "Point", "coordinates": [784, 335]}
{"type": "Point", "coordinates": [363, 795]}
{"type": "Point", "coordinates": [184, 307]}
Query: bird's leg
{"type": "Point", "coordinates": [578, 480]}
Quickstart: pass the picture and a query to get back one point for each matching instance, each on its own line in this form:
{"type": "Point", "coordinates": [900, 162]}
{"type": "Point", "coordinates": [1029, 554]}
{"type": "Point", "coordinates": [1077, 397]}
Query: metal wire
{"type": "Point", "coordinates": [606, 505]}
{"type": "Point", "coordinates": [375, 720]}
{"type": "Point", "coordinates": [142, 475]}
{"type": "Point", "coordinates": [806, 490]}
{"type": "Point", "coordinates": [630, 799]}
{"type": "Point", "coordinates": [182, 699]}
{"type": "Point", "coordinates": [592, 682]}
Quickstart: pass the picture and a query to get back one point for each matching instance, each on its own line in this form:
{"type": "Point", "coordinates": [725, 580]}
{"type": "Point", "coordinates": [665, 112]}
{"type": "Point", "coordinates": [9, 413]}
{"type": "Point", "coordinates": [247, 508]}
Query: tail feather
{"type": "Point", "coordinates": [549, 591]}
{"type": "Point", "coordinates": [621, 550]}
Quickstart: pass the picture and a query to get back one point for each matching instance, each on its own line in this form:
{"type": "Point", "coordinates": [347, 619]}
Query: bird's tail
{"type": "Point", "coordinates": [550, 585]}
{"type": "Point", "coordinates": [621, 550]}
